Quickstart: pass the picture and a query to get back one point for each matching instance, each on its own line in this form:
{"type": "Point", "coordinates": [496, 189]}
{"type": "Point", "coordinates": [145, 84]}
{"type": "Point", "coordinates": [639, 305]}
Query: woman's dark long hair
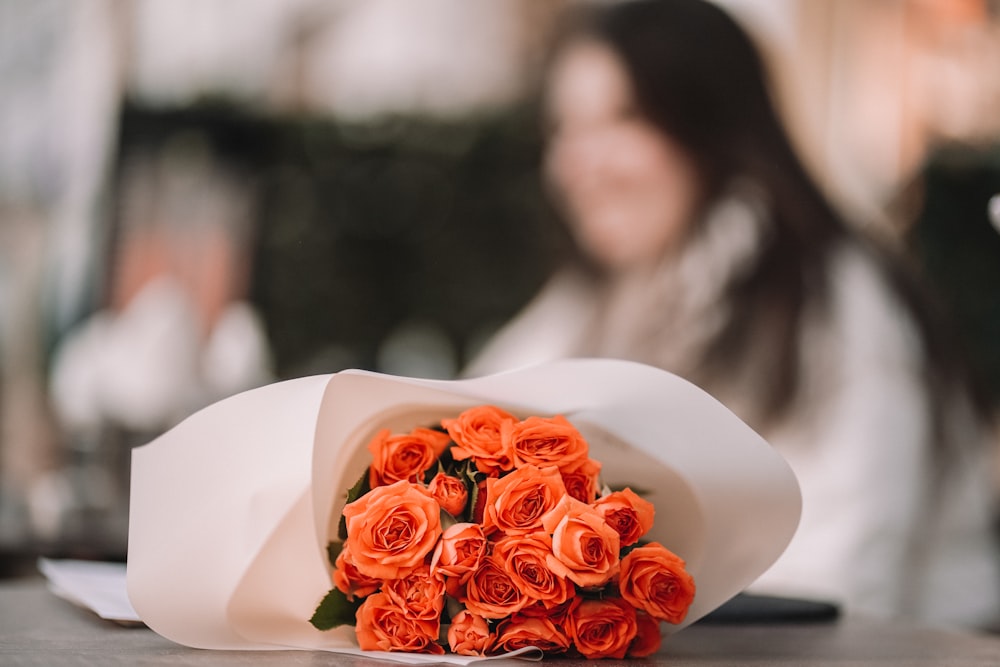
{"type": "Point", "coordinates": [699, 77]}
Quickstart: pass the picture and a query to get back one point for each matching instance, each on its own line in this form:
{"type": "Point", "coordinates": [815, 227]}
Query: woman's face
{"type": "Point", "coordinates": [629, 191]}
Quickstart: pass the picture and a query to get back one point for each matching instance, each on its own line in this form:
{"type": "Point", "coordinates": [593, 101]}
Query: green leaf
{"type": "Point", "coordinates": [597, 593]}
{"type": "Point", "coordinates": [469, 473]}
{"type": "Point", "coordinates": [470, 504]}
{"type": "Point", "coordinates": [342, 528]}
{"type": "Point", "coordinates": [447, 520]}
{"type": "Point", "coordinates": [333, 550]}
{"type": "Point", "coordinates": [637, 491]}
{"type": "Point", "coordinates": [360, 488]}
{"type": "Point", "coordinates": [625, 551]}
{"type": "Point", "coordinates": [446, 461]}
{"type": "Point", "coordinates": [334, 610]}
{"type": "Point", "coordinates": [429, 474]}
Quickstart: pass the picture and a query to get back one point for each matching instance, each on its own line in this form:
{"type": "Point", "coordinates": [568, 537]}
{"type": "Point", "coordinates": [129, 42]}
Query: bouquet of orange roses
{"type": "Point", "coordinates": [487, 534]}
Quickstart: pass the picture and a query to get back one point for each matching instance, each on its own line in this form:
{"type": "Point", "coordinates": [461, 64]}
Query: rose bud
{"type": "Point", "coordinates": [450, 493]}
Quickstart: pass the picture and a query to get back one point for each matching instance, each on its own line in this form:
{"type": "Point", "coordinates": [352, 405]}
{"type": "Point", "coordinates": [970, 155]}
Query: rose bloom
{"type": "Point", "coordinates": [520, 631]}
{"type": "Point", "coordinates": [469, 634]}
{"type": "Point", "coordinates": [349, 580]}
{"type": "Point", "coordinates": [459, 551]}
{"type": "Point", "coordinates": [382, 625]}
{"type": "Point", "coordinates": [515, 504]}
{"type": "Point", "coordinates": [582, 483]}
{"type": "Point", "coordinates": [527, 560]}
{"type": "Point", "coordinates": [583, 543]}
{"type": "Point", "coordinates": [603, 628]}
{"type": "Point", "coordinates": [404, 456]}
{"type": "Point", "coordinates": [542, 441]}
{"type": "Point", "coordinates": [420, 593]}
{"type": "Point", "coordinates": [648, 638]}
{"type": "Point", "coordinates": [490, 591]}
{"type": "Point", "coordinates": [391, 529]}
{"type": "Point", "coordinates": [654, 579]}
{"type": "Point", "coordinates": [450, 493]}
{"type": "Point", "coordinates": [482, 433]}
{"type": "Point", "coordinates": [557, 614]}
{"type": "Point", "coordinates": [627, 513]}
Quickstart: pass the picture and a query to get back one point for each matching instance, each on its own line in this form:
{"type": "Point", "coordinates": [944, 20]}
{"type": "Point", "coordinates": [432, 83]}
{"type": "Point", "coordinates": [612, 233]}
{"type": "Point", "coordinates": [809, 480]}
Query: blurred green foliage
{"type": "Point", "coordinates": [361, 226]}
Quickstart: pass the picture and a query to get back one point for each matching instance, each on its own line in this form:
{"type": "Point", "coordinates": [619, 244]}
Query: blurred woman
{"type": "Point", "coordinates": [706, 249]}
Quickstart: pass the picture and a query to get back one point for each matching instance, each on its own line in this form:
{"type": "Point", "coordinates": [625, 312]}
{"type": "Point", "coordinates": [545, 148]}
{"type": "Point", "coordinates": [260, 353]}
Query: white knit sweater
{"type": "Point", "coordinates": [876, 536]}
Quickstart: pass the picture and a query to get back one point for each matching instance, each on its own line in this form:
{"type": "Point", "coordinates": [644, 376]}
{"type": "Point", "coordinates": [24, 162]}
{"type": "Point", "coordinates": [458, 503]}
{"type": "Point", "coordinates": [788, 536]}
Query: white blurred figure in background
{"type": "Point", "coordinates": [177, 332]}
{"type": "Point", "coordinates": [707, 248]}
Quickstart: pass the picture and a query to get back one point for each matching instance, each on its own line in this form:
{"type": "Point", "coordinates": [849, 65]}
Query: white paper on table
{"type": "Point", "coordinates": [232, 509]}
{"type": "Point", "coordinates": [97, 586]}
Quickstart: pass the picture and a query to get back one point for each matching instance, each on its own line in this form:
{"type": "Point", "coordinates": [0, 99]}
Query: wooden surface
{"type": "Point", "coordinates": [37, 628]}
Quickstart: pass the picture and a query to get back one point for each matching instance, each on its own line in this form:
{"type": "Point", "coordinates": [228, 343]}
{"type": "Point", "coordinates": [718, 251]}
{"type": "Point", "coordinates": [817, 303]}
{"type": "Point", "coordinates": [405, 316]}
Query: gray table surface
{"type": "Point", "coordinates": [37, 628]}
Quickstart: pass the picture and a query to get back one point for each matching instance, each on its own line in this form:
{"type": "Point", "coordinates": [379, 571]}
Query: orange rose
{"type": "Point", "coordinates": [490, 591]}
{"type": "Point", "coordinates": [450, 493]}
{"type": "Point", "coordinates": [542, 441]}
{"type": "Point", "coordinates": [582, 483]}
{"type": "Point", "coordinates": [349, 580]}
{"type": "Point", "coordinates": [420, 593]}
{"type": "Point", "coordinates": [648, 639]}
{"type": "Point", "coordinates": [482, 433]}
{"type": "Point", "coordinates": [469, 634]}
{"type": "Point", "coordinates": [519, 631]}
{"type": "Point", "coordinates": [627, 513]}
{"type": "Point", "coordinates": [515, 504]}
{"type": "Point", "coordinates": [459, 551]}
{"type": "Point", "coordinates": [603, 628]}
{"type": "Point", "coordinates": [583, 543]}
{"type": "Point", "coordinates": [404, 456]}
{"type": "Point", "coordinates": [526, 559]}
{"type": "Point", "coordinates": [382, 625]}
{"type": "Point", "coordinates": [391, 529]}
{"type": "Point", "coordinates": [557, 614]}
{"type": "Point", "coordinates": [654, 579]}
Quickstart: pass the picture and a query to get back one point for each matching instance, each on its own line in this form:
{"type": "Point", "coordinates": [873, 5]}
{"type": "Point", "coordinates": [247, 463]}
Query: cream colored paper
{"type": "Point", "coordinates": [232, 509]}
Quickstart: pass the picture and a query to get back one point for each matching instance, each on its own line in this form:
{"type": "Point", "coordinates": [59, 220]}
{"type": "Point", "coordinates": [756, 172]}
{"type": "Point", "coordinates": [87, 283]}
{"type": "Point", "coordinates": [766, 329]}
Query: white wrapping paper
{"type": "Point", "coordinates": [232, 509]}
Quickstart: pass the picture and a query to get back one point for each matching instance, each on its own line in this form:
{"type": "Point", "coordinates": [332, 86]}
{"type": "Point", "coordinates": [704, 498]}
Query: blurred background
{"type": "Point", "coordinates": [197, 198]}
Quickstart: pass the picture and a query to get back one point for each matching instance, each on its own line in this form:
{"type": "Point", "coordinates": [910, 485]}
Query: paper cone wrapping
{"type": "Point", "coordinates": [232, 509]}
